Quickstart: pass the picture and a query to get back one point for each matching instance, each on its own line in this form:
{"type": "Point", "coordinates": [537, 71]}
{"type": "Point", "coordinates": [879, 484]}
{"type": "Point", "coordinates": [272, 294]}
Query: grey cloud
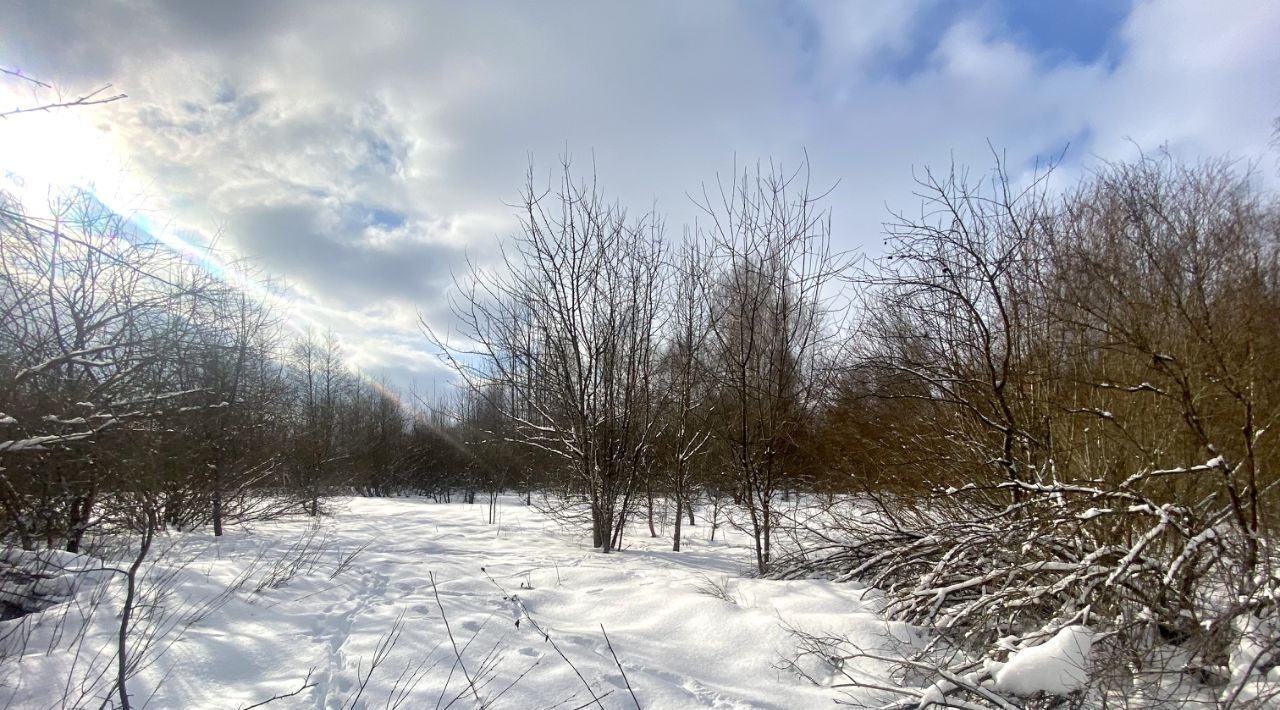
{"type": "Point", "coordinates": [326, 254]}
{"type": "Point", "coordinates": [360, 150]}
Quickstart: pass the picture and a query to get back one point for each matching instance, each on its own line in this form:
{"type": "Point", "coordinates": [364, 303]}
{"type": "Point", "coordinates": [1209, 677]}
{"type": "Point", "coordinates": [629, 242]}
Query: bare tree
{"type": "Point", "coordinates": [322, 381]}
{"type": "Point", "coordinates": [237, 441]}
{"type": "Point", "coordinates": [952, 318]}
{"type": "Point", "coordinates": [773, 315]}
{"type": "Point", "coordinates": [686, 387]}
{"type": "Point", "coordinates": [567, 330]}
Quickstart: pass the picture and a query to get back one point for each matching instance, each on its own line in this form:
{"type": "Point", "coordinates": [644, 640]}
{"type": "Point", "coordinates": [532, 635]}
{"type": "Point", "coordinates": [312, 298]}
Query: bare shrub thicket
{"type": "Point", "coordinates": [141, 394]}
{"type": "Point", "coordinates": [126, 368]}
{"type": "Point", "coordinates": [1062, 410]}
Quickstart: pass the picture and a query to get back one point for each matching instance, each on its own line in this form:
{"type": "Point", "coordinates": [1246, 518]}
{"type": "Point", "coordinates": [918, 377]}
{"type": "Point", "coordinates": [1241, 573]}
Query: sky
{"type": "Point", "coordinates": [362, 153]}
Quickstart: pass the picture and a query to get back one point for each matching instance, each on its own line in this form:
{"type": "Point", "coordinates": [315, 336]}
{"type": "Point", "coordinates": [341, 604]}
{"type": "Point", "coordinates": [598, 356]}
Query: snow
{"type": "Point", "coordinates": [295, 605]}
{"type": "Point", "coordinates": [1057, 666]}
{"type": "Point", "coordinates": [1250, 657]}
{"type": "Point", "coordinates": [55, 419]}
{"type": "Point", "coordinates": [39, 579]}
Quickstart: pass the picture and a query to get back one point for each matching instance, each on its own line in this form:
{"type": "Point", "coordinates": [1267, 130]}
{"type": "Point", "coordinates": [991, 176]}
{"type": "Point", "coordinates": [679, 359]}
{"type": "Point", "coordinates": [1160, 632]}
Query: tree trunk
{"type": "Point", "coordinates": [217, 502]}
{"type": "Point", "coordinates": [648, 490]}
{"type": "Point", "coordinates": [675, 546]}
{"type": "Point", "coordinates": [131, 589]}
{"type": "Point", "coordinates": [618, 519]}
{"type": "Point", "coordinates": [599, 534]}
{"type": "Point", "coordinates": [81, 513]}
{"type": "Point", "coordinates": [757, 538]}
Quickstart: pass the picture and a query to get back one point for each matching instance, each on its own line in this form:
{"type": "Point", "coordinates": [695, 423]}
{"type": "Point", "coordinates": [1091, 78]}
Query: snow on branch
{"type": "Point", "coordinates": [43, 443]}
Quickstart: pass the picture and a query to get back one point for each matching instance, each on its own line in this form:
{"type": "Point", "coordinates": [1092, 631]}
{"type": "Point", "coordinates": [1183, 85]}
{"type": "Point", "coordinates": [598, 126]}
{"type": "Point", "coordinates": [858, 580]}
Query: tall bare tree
{"type": "Point", "coordinates": [686, 388]}
{"type": "Point", "coordinates": [774, 318]}
{"type": "Point", "coordinates": [567, 329]}
{"type": "Point", "coordinates": [322, 380]}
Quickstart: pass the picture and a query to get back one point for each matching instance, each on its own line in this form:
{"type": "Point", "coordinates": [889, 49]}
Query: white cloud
{"type": "Point", "coordinates": [361, 150]}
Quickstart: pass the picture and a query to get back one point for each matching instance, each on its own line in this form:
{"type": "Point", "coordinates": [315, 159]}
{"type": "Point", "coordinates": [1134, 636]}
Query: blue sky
{"type": "Point", "coordinates": [1084, 31]}
{"type": "Point", "coordinates": [362, 152]}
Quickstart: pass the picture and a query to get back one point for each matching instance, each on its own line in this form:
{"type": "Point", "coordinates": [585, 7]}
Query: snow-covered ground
{"type": "Point", "coordinates": [679, 645]}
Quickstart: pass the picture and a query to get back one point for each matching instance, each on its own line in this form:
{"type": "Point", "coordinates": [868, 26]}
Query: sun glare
{"type": "Point", "coordinates": [56, 149]}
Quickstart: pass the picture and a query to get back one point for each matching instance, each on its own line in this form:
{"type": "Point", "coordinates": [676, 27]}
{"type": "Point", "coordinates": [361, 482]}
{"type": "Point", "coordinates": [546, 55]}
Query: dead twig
{"type": "Point", "coordinates": [618, 663]}
{"type": "Point", "coordinates": [306, 685]}
{"type": "Point", "coordinates": [90, 99]}
{"type": "Point", "coordinates": [456, 652]}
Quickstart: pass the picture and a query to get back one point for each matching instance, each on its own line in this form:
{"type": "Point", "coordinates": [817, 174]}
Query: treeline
{"type": "Point", "coordinates": [1058, 406]}
{"type": "Point", "coordinates": [139, 391]}
{"type": "Point", "coordinates": [624, 365]}
{"type": "Point", "coordinates": [1063, 404]}
{"type": "Point", "coordinates": [1005, 340]}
